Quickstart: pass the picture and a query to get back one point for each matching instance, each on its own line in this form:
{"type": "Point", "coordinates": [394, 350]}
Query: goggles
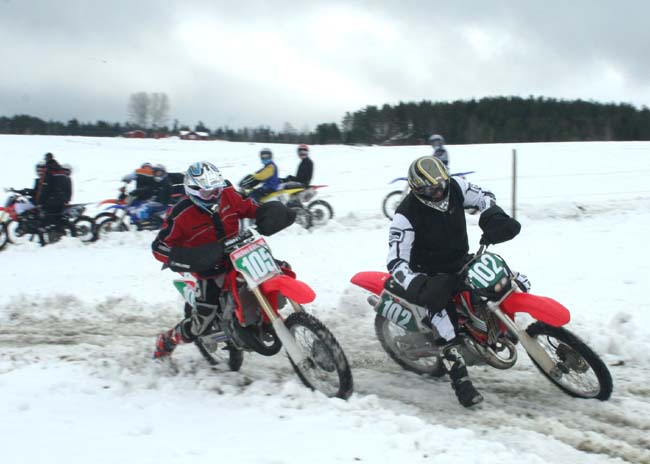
{"type": "Point", "coordinates": [207, 194]}
{"type": "Point", "coordinates": [433, 192]}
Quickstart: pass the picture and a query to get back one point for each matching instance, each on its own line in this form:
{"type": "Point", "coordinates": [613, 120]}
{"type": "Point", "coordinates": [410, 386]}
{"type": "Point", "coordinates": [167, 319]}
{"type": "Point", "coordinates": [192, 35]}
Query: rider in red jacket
{"type": "Point", "coordinates": [191, 240]}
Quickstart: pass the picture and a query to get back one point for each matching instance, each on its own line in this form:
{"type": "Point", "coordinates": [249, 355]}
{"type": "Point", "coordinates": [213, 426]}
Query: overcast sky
{"type": "Point", "coordinates": [245, 63]}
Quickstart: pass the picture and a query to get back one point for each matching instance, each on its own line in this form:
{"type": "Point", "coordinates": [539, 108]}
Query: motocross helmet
{"type": "Point", "coordinates": [266, 156]}
{"type": "Point", "coordinates": [436, 141]}
{"type": "Point", "coordinates": [303, 150]}
{"type": "Point", "coordinates": [204, 185]}
{"type": "Point", "coordinates": [159, 172]}
{"type": "Point", "coordinates": [429, 182]}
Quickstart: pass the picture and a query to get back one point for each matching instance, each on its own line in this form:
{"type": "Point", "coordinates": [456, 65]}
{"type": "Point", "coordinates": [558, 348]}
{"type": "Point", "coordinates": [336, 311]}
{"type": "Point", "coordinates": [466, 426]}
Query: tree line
{"type": "Point", "coordinates": [488, 120]}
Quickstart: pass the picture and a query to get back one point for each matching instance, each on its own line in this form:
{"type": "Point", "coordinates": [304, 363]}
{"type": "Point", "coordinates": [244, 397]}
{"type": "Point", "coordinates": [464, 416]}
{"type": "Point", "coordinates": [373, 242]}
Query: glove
{"type": "Point", "coordinates": [432, 291]}
{"type": "Point", "coordinates": [497, 226]}
{"type": "Point", "coordinates": [272, 217]}
{"type": "Point", "coordinates": [248, 182]}
{"type": "Point", "coordinates": [199, 259]}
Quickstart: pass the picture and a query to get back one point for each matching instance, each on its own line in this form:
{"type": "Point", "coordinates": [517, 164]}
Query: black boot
{"type": "Point", "coordinates": [455, 365]}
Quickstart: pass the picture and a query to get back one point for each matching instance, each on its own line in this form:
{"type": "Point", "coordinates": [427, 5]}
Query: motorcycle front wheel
{"type": "Point", "coordinates": [327, 369]}
{"type": "Point", "coordinates": [582, 374]}
{"type": "Point", "coordinates": [413, 351]}
{"type": "Point", "coordinates": [84, 228]}
{"type": "Point", "coordinates": [304, 217]}
{"type": "Point", "coordinates": [4, 235]}
{"type": "Point", "coordinates": [391, 202]}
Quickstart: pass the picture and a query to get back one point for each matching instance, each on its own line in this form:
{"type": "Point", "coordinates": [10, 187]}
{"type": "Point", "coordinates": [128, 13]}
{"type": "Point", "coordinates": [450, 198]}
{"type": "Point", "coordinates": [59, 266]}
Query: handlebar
{"type": "Point", "coordinates": [246, 236]}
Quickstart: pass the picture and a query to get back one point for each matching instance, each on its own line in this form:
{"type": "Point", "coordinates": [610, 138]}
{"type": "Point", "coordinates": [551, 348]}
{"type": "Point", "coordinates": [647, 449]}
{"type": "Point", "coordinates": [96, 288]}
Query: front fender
{"type": "Point", "coordinates": [291, 288]}
{"type": "Point", "coordinates": [540, 307]}
{"type": "Point", "coordinates": [372, 281]}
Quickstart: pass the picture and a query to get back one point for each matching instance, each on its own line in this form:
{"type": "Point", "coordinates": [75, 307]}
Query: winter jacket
{"type": "Point", "coordinates": [268, 175]}
{"type": "Point", "coordinates": [188, 239]}
{"type": "Point", "coordinates": [305, 172]}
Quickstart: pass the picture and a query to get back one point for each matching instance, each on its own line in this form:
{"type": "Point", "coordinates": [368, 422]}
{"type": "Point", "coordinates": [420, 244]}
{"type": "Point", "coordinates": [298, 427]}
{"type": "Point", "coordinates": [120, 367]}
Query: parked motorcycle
{"type": "Point", "coordinates": [486, 307]}
{"type": "Point", "coordinates": [253, 292]}
{"type": "Point", "coordinates": [22, 221]}
{"type": "Point", "coordinates": [393, 199]}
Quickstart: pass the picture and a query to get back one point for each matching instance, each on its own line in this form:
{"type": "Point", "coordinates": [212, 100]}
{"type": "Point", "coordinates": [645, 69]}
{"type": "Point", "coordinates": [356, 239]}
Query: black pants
{"type": "Point", "coordinates": [198, 318]}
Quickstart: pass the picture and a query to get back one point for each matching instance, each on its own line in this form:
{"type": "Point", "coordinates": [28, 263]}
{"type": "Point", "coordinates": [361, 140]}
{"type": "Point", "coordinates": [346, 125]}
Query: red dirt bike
{"type": "Point", "coordinates": [253, 292]}
{"type": "Point", "coordinates": [486, 306]}
{"type": "Point", "coordinates": [30, 224]}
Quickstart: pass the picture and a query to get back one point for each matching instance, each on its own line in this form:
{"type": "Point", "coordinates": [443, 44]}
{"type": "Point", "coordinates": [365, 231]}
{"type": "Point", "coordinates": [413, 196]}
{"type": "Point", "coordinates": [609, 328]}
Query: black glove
{"type": "Point", "coordinates": [432, 291]}
{"type": "Point", "coordinates": [248, 182]}
{"type": "Point", "coordinates": [497, 226]}
{"type": "Point", "coordinates": [197, 259]}
{"type": "Point", "coordinates": [272, 217]}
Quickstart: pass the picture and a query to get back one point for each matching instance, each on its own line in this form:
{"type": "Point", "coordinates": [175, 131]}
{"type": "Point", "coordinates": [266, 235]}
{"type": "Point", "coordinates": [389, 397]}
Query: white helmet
{"type": "Point", "coordinates": [204, 185]}
{"type": "Point", "coordinates": [437, 141]}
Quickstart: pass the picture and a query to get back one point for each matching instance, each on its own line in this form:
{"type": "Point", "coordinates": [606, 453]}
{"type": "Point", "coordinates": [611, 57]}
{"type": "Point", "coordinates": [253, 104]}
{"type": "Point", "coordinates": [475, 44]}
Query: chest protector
{"type": "Point", "coordinates": [440, 237]}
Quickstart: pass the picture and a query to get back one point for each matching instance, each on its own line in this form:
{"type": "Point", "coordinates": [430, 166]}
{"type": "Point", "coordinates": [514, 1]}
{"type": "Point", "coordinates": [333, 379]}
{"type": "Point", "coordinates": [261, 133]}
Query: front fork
{"type": "Point", "coordinates": [295, 352]}
{"type": "Point", "coordinates": [533, 348]}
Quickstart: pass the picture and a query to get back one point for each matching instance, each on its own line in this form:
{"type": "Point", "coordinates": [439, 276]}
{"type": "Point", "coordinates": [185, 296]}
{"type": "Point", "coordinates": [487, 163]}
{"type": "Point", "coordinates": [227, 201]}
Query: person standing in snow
{"type": "Point", "coordinates": [428, 245]}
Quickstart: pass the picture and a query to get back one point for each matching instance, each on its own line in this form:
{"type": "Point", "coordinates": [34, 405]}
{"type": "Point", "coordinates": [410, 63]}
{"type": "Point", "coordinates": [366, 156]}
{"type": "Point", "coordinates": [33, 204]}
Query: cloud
{"type": "Point", "coordinates": [253, 63]}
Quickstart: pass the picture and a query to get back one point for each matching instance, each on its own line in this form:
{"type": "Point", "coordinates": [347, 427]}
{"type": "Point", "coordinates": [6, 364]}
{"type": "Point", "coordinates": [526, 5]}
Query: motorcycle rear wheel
{"type": "Point", "coordinates": [321, 212]}
{"type": "Point", "coordinates": [388, 333]}
{"type": "Point", "coordinates": [391, 202]}
{"type": "Point", "coordinates": [584, 374]}
{"type": "Point", "coordinates": [328, 370]}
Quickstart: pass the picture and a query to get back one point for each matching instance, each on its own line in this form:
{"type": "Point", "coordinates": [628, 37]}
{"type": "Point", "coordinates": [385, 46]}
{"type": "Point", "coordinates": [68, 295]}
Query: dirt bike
{"type": "Point", "coordinates": [298, 197]}
{"type": "Point", "coordinates": [123, 214]}
{"type": "Point", "coordinates": [486, 306]}
{"type": "Point", "coordinates": [393, 199]}
{"type": "Point", "coordinates": [21, 220]}
{"type": "Point", "coordinates": [254, 290]}
{"type": "Point", "coordinates": [321, 211]}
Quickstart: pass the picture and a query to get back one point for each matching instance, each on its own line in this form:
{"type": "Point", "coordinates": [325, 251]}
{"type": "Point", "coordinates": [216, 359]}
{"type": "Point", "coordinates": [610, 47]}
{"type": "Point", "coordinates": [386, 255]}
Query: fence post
{"type": "Point", "coordinates": [514, 183]}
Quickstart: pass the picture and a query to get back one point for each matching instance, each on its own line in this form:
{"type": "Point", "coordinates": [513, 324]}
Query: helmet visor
{"type": "Point", "coordinates": [207, 194]}
{"type": "Point", "coordinates": [433, 193]}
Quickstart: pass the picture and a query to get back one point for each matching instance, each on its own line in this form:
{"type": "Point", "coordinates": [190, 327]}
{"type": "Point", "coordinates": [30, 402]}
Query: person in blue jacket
{"type": "Point", "coordinates": [267, 177]}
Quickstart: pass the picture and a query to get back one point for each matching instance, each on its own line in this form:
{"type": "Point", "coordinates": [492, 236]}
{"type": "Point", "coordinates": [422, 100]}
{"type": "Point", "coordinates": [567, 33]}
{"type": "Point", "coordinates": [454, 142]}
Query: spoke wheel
{"type": "Point", "coordinates": [4, 236]}
{"type": "Point", "coordinates": [391, 202]}
{"type": "Point", "coordinates": [581, 372]}
{"type": "Point", "coordinates": [321, 212]}
{"type": "Point", "coordinates": [326, 368]}
{"type": "Point", "coordinates": [413, 351]}
{"type": "Point", "coordinates": [304, 217]}
{"type": "Point", "coordinates": [84, 229]}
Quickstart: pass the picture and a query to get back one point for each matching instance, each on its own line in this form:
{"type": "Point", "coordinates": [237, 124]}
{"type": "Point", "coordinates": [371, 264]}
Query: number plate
{"type": "Point", "coordinates": [393, 310]}
{"type": "Point", "coordinates": [255, 262]}
{"type": "Point", "coordinates": [486, 271]}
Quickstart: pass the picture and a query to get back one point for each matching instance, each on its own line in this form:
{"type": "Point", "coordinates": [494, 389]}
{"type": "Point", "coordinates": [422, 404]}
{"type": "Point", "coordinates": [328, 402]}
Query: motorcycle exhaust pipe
{"type": "Point", "coordinates": [373, 300]}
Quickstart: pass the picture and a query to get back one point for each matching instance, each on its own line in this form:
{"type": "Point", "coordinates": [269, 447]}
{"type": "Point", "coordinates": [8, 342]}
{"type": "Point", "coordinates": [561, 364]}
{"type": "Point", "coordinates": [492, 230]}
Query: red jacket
{"type": "Point", "coordinates": [188, 226]}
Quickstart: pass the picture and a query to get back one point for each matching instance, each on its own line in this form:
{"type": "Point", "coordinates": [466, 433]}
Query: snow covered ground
{"type": "Point", "coordinates": [77, 322]}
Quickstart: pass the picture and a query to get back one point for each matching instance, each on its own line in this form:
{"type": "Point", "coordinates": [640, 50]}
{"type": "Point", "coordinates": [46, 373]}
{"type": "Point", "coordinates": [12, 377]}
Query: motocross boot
{"type": "Point", "coordinates": [167, 342]}
{"type": "Point", "coordinates": [455, 365]}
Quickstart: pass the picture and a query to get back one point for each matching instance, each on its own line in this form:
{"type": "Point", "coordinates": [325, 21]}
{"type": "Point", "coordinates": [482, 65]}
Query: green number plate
{"type": "Point", "coordinates": [393, 310]}
{"type": "Point", "coordinates": [486, 271]}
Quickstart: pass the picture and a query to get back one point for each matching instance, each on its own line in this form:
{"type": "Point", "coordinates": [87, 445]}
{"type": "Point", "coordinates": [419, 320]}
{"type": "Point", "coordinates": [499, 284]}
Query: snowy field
{"type": "Point", "coordinates": [77, 322]}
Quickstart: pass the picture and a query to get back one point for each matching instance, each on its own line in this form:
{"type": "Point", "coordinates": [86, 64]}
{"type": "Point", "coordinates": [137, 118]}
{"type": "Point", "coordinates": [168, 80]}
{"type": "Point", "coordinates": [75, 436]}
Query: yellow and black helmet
{"type": "Point", "coordinates": [429, 182]}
